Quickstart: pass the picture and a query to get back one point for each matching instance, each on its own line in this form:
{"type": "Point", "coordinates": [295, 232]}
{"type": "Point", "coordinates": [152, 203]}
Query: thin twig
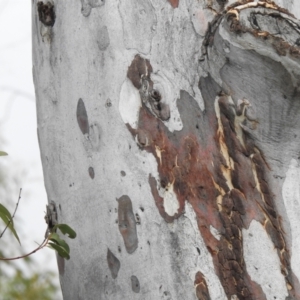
{"type": "Point", "coordinates": [42, 245]}
{"type": "Point", "coordinates": [11, 219]}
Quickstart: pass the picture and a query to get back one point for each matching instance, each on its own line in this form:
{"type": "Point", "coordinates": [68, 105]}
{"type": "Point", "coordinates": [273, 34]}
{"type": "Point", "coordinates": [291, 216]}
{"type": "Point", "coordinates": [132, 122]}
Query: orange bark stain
{"type": "Point", "coordinates": [174, 3]}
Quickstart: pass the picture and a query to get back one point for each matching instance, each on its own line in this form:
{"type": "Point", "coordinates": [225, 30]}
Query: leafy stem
{"type": "Point", "coordinates": [13, 215]}
{"type": "Point", "coordinates": [42, 245]}
{"type": "Point", "coordinates": [54, 241]}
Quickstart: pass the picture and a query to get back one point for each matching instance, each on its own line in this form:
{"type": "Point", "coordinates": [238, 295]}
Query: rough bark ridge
{"type": "Point", "coordinates": [214, 162]}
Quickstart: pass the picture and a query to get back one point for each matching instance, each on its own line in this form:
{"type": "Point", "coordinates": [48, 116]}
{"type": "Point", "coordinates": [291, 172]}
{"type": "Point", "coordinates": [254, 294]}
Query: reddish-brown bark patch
{"type": "Point", "coordinates": [138, 68]}
{"type": "Point", "coordinates": [220, 173]}
{"type": "Point", "coordinates": [202, 292]}
{"type": "Point", "coordinates": [174, 3]}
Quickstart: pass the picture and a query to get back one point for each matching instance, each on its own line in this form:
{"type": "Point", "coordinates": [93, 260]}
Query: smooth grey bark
{"type": "Point", "coordinates": [169, 137]}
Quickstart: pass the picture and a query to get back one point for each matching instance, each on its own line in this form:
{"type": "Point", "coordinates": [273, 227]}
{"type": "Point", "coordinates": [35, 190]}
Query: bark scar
{"type": "Point", "coordinates": [220, 171]}
{"type": "Point", "coordinates": [232, 14]}
{"type": "Point", "coordinates": [46, 13]}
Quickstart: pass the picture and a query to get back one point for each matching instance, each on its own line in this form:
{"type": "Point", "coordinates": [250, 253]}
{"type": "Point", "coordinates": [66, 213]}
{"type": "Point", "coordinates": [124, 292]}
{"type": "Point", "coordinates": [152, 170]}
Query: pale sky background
{"type": "Point", "coordinates": [19, 128]}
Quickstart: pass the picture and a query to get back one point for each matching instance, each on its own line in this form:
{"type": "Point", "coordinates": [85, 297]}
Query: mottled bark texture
{"type": "Point", "coordinates": [186, 116]}
{"type": "Point", "coordinates": [217, 162]}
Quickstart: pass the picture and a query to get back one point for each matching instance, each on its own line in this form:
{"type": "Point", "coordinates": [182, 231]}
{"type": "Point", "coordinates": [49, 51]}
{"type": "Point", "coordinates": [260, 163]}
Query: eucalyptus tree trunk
{"type": "Point", "coordinates": [169, 137]}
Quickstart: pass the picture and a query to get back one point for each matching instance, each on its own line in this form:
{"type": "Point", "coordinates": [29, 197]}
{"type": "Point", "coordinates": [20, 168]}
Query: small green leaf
{"type": "Point", "coordinates": [2, 153]}
{"type": "Point", "coordinates": [4, 210]}
{"type": "Point", "coordinates": [57, 240]}
{"type": "Point", "coordinates": [60, 250]}
{"type": "Point", "coordinates": [7, 219]}
{"type": "Point", "coordinates": [66, 229]}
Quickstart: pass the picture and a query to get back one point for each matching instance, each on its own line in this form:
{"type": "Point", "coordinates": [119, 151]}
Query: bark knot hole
{"type": "Point", "coordinates": [46, 13]}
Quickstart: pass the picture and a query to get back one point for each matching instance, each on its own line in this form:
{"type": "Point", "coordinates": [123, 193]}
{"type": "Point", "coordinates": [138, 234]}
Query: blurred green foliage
{"type": "Point", "coordinates": [19, 286]}
{"type": "Point", "coordinates": [26, 280]}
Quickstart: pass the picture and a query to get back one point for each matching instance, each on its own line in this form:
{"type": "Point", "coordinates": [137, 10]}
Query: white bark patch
{"type": "Point", "coordinates": [262, 261]}
{"type": "Point", "coordinates": [215, 232]}
{"type": "Point", "coordinates": [291, 198]}
{"type": "Point", "coordinates": [200, 261]}
{"type": "Point", "coordinates": [197, 95]}
{"type": "Point", "coordinates": [200, 17]}
{"type": "Point", "coordinates": [176, 48]}
{"type": "Point", "coordinates": [46, 33]}
{"type": "Point", "coordinates": [296, 9]}
{"type": "Point", "coordinates": [129, 104]}
{"type": "Point", "coordinates": [139, 24]}
{"type": "Point", "coordinates": [171, 203]}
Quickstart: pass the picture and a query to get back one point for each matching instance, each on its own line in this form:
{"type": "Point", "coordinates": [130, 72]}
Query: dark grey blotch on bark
{"type": "Point", "coordinates": [46, 13]}
{"type": "Point", "coordinates": [162, 110]}
{"type": "Point", "coordinates": [127, 224]}
{"type": "Point", "coordinates": [123, 173]}
{"type": "Point", "coordinates": [113, 264]}
{"type": "Point", "coordinates": [91, 172]}
{"type": "Point", "coordinates": [135, 284]}
{"type": "Point", "coordinates": [82, 117]}
{"type": "Point", "coordinates": [108, 103]}
{"type": "Point", "coordinates": [61, 265]}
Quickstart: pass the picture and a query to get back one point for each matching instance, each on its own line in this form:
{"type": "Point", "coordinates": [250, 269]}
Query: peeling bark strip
{"type": "Point", "coordinates": [260, 22]}
{"type": "Point", "coordinates": [214, 164]}
{"type": "Point", "coordinates": [113, 264]}
{"type": "Point", "coordinates": [202, 292]}
{"type": "Point", "coordinates": [46, 13]}
{"type": "Point", "coordinates": [258, 26]}
{"type": "Point", "coordinates": [127, 224]}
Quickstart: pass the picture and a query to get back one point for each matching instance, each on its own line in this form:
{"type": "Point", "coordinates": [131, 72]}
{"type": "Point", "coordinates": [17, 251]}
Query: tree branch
{"type": "Point", "coordinates": [41, 246]}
